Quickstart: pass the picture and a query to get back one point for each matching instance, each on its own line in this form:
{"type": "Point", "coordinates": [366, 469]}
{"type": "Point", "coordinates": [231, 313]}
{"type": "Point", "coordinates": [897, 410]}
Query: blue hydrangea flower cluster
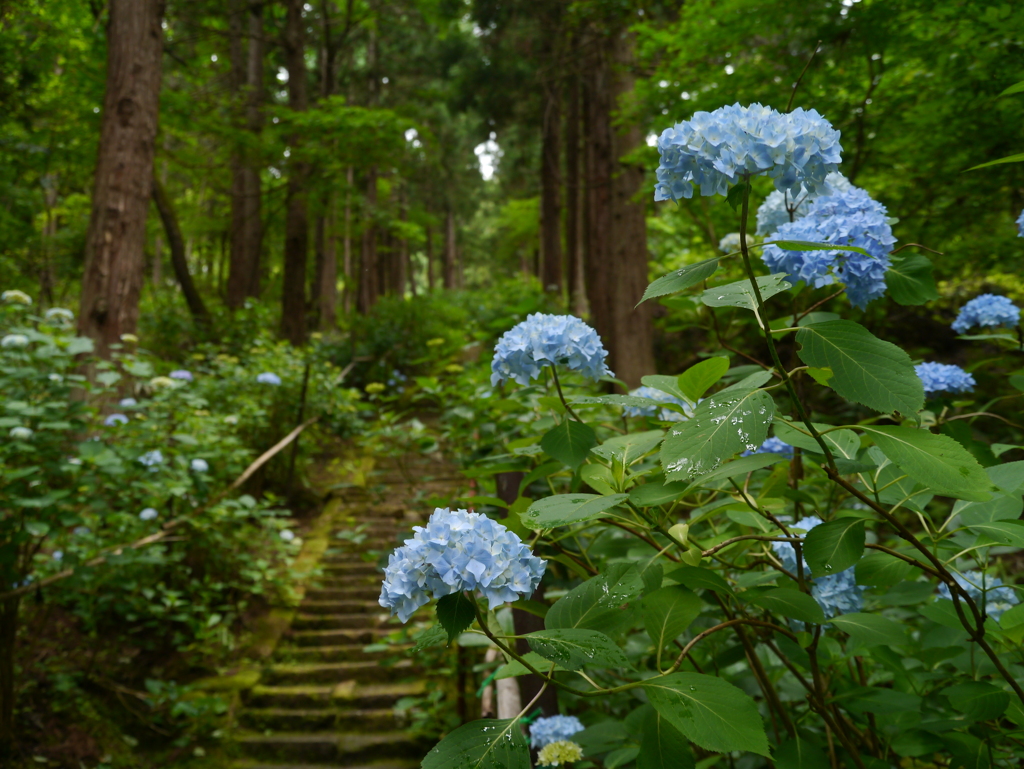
{"type": "Point", "coordinates": [944, 378]}
{"type": "Point", "coordinates": [665, 415]}
{"type": "Point", "coordinates": [544, 731]}
{"type": "Point", "coordinates": [268, 377]}
{"type": "Point", "coordinates": [149, 514]}
{"type": "Point", "coordinates": [152, 458]}
{"type": "Point", "coordinates": [987, 311]}
{"type": "Point", "coordinates": [182, 374]}
{"type": "Point", "coordinates": [782, 207]}
{"type": "Point", "coordinates": [995, 597]}
{"type": "Point", "coordinates": [115, 419]}
{"type": "Point", "coordinates": [836, 593]}
{"type": "Point", "coordinates": [849, 218]}
{"type": "Point", "coordinates": [127, 402]}
{"type": "Point", "coordinates": [772, 446]}
{"type": "Point", "coordinates": [199, 465]}
{"type": "Point", "coordinates": [1020, 225]}
{"type": "Point", "coordinates": [713, 150]}
{"type": "Point", "coordinates": [548, 340]}
{"type": "Point", "coordinates": [730, 243]}
{"type": "Point", "coordinates": [458, 550]}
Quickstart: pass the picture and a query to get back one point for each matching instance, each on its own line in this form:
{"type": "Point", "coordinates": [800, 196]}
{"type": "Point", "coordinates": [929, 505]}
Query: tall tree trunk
{"type": "Point", "coordinates": [116, 239]}
{"type": "Point", "coordinates": [296, 226]}
{"type": "Point", "coordinates": [573, 219]}
{"type": "Point", "coordinates": [368, 288]}
{"type": "Point", "coordinates": [448, 274]}
{"type": "Point", "coordinates": [616, 259]}
{"type": "Point", "coordinates": [328, 279]}
{"type": "Point", "coordinates": [8, 638]}
{"type": "Point", "coordinates": [430, 258]}
{"type": "Point", "coordinates": [246, 224]}
{"type": "Point", "coordinates": [347, 265]}
{"type": "Point", "coordinates": [551, 171]}
{"type": "Point", "coordinates": [178, 260]}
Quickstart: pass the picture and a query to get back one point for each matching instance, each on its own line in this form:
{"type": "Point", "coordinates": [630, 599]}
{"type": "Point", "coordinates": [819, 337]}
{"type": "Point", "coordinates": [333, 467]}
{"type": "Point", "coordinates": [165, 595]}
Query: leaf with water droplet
{"type": "Point", "coordinates": [572, 648]}
{"type": "Point", "coordinates": [481, 744]}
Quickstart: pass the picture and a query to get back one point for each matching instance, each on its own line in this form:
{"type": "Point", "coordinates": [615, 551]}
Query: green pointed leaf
{"type": "Point", "coordinates": [968, 751]}
{"type": "Point", "coordinates": [483, 744]}
{"type": "Point", "coordinates": [1015, 88]}
{"type": "Point", "coordinates": [432, 636]}
{"type": "Point", "coordinates": [909, 279]}
{"type": "Point", "coordinates": [790, 603]}
{"type": "Point", "coordinates": [727, 423]}
{"type": "Point", "coordinates": [569, 442]}
{"type": "Point", "coordinates": [598, 477]}
{"type": "Point", "coordinates": [709, 711]}
{"type": "Point", "coordinates": [697, 578]}
{"type": "Point", "coordinates": [937, 461]}
{"type": "Point", "coordinates": [1004, 532]}
{"type": "Point", "coordinates": [870, 629]}
{"type": "Point", "coordinates": [667, 384]}
{"type": "Point", "coordinates": [655, 493]}
{"type": "Point", "coordinates": [741, 293]}
{"type": "Point", "coordinates": [820, 375]}
{"type": "Point", "coordinates": [681, 279]}
{"type": "Point", "coordinates": [662, 746]}
{"type": "Point", "coordinates": [699, 378]}
{"type": "Point", "coordinates": [80, 345]}
{"type": "Point", "coordinates": [597, 603]}
{"type": "Point", "coordinates": [865, 369]}
{"type": "Point", "coordinates": [844, 444]}
{"type": "Point", "coordinates": [563, 509]}
{"type": "Point", "coordinates": [881, 570]}
{"type": "Point", "coordinates": [667, 612]}
{"type": "Point", "coordinates": [834, 546]}
{"type": "Point", "coordinates": [806, 245]}
{"type": "Point", "coordinates": [1018, 158]}
{"type": "Point", "coordinates": [737, 467]}
{"type": "Point", "coordinates": [980, 700]}
{"type": "Point", "coordinates": [515, 668]}
{"type": "Point", "coordinates": [627, 449]}
{"type": "Point", "coordinates": [573, 648]}
{"type": "Point", "coordinates": [455, 613]}
{"type": "Point", "coordinates": [799, 754]}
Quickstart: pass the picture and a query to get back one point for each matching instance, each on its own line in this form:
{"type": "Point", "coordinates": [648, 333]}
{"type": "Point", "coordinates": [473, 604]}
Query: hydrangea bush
{"type": "Point", "coordinates": [840, 594]}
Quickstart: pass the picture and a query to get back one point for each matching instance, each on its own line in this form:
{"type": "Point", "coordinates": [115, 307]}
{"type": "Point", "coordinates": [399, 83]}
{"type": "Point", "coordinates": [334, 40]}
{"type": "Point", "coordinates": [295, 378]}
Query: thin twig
{"type": "Point", "coordinates": [796, 85]}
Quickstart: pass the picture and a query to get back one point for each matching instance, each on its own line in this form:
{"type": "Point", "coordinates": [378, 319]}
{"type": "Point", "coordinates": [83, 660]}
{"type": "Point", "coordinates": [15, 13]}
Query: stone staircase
{"type": "Point", "coordinates": [324, 700]}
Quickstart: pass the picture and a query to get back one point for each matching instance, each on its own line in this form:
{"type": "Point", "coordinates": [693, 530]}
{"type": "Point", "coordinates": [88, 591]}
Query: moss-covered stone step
{"type": "Point", "coordinates": [330, 719]}
{"type": "Point", "coordinates": [340, 621]}
{"type": "Point", "coordinates": [350, 694]}
{"type": "Point", "coordinates": [337, 637]}
{"type": "Point", "coordinates": [326, 747]}
{"type": "Point", "coordinates": [348, 567]}
{"type": "Point", "coordinates": [367, 589]}
{"type": "Point", "coordinates": [338, 653]}
{"type": "Point", "coordinates": [341, 606]}
{"type": "Point", "coordinates": [387, 764]}
{"type": "Point", "coordinates": [336, 672]}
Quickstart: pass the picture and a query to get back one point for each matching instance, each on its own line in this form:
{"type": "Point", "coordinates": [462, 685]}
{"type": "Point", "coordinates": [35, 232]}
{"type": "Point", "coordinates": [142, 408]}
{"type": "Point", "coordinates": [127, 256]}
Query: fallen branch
{"type": "Point", "coordinates": [166, 529]}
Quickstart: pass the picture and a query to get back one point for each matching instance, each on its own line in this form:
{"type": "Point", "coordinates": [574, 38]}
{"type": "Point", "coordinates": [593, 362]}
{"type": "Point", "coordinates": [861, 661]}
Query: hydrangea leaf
{"type": "Point", "coordinates": [709, 711]}
{"type": "Point", "coordinates": [697, 578]}
{"type": "Point", "coordinates": [667, 384]}
{"type": "Point", "coordinates": [432, 636]}
{"type": "Point", "coordinates": [569, 442]}
{"type": "Point", "coordinates": [699, 378]}
{"type": "Point", "coordinates": [455, 613]}
{"type": "Point", "coordinates": [881, 570]}
{"type": "Point", "coordinates": [482, 744]}
{"type": "Point", "coordinates": [662, 746]}
{"type": "Point", "coordinates": [799, 754]}
{"type": "Point", "coordinates": [843, 443]}
{"type": "Point", "coordinates": [655, 493]}
{"type": "Point", "coordinates": [627, 449]}
{"type": "Point", "coordinates": [980, 700]}
{"type": "Point", "coordinates": [834, 546]}
{"type": "Point", "coordinates": [1018, 158]}
{"type": "Point", "coordinates": [909, 279]}
{"type": "Point", "coordinates": [727, 423]}
{"type": "Point", "coordinates": [865, 369]}
{"type": "Point", "coordinates": [870, 629]}
{"type": "Point", "coordinates": [667, 612]}
{"type": "Point", "coordinates": [574, 648]}
{"type": "Point", "coordinates": [736, 467]}
{"type": "Point", "coordinates": [1003, 532]}
{"type": "Point", "coordinates": [680, 279]}
{"type": "Point", "coordinates": [937, 461]}
{"type": "Point", "coordinates": [596, 604]}
{"type": "Point", "coordinates": [790, 603]}
{"type": "Point", "coordinates": [741, 293]}
{"type": "Point", "coordinates": [563, 509]}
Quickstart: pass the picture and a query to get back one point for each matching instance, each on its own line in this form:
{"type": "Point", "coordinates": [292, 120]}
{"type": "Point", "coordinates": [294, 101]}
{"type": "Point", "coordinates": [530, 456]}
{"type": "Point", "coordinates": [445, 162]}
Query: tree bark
{"type": "Point", "coordinates": [430, 258]}
{"type": "Point", "coordinates": [550, 168]}
{"type": "Point", "coordinates": [327, 281]}
{"type": "Point", "coordinates": [448, 273]}
{"type": "Point", "coordinates": [296, 227]}
{"type": "Point", "coordinates": [573, 219]}
{"type": "Point", "coordinates": [115, 243]}
{"type": "Point", "coordinates": [368, 287]}
{"type": "Point", "coordinates": [178, 260]}
{"type": "Point", "coordinates": [347, 264]}
{"type": "Point", "coordinates": [8, 639]}
{"type": "Point", "coordinates": [246, 223]}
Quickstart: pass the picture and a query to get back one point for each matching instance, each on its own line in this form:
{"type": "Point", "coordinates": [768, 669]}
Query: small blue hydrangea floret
{"type": "Point", "coordinates": [548, 340]}
{"type": "Point", "coordinates": [152, 458]}
{"type": "Point", "coordinates": [654, 394]}
{"type": "Point", "coordinates": [544, 731]}
{"type": "Point", "coordinates": [730, 243]}
{"type": "Point", "coordinates": [182, 374]}
{"type": "Point", "coordinates": [848, 218]}
{"type": "Point", "coordinates": [115, 419]}
{"type": "Point", "coordinates": [127, 402]}
{"type": "Point", "coordinates": [714, 150]}
{"type": "Point", "coordinates": [199, 465]}
{"type": "Point", "coordinates": [783, 207]}
{"type": "Point", "coordinates": [836, 593]}
{"type": "Point", "coordinates": [988, 592]}
{"type": "Point", "coordinates": [149, 514]}
{"type": "Point", "coordinates": [268, 377]}
{"type": "Point", "coordinates": [1020, 225]}
{"type": "Point", "coordinates": [944, 378]}
{"type": "Point", "coordinates": [456, 551]}
{"type": "Point", "coordinates": [987, 311]}
{"type": "Point", "coordinates": [772, 446]}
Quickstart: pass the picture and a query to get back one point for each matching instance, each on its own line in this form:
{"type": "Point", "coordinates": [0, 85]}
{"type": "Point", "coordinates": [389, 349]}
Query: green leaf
{"type": "Point", "coordinates": [541, 471]}
{"type": "Point", "coordinates": [653, 494]}
{"type": "Point", "coordinates": [515, 668]}
{"type": "Point", "coordinates": [806, 245]}
{"type": "Point", "coordinates": [937, 461]}
{"type": "Point", "coordinates": [681, 279]}
{"type": "Point", "coordinates": [741, 293]}
{"type": "Point", "coordinates": [799, 754]}
{"type": "Point", "coordinates": [598, 477]}
{"type": "Point", "coordinates": [667, 612]}
{"type": "Point", "coordinates": [667, 384]}
{"type": "Point", "coordinates": [662, 746]}
{"type": "Point", "coordinates": [725, 424]}
{"type": "Point", "coordinates": [737, 467]}
{"type": "Point", "coordinates": [909, 279]}
{"type": "Point", "coordinates": [569, 442]}
{"type": "Point", "coordinates": [483, 744]}
{"type": "Point", "coordinates": [627, 449]}
{"type": "Point", "coordinates": [1003, 532]}
{"type": "Point", "coordinates": [1015, 88]}
{"type": "Point", "coordinates": [80, 345]}
{"type": "Point", "coordinates": [843, 444]}
{"type": "Point", "coordinates": [596, 603]}
{"type": "Point", "coordinates": [432, 636]}
{"type": "Point", "coordinates": [697, 578]}
{"type": "Point", "coordinates": [699, 378]}
{"type": "Point", "coordinates": [821, 376]}
{"type": "Point", "coordinates": [455, 612]}
{"type": "Point", "coordinates": [563, 509]}
{"type": "Point", "coordinates": [37, 528]}
{"type": "Point", "coordinates": [620, 757]}
{"type": "Point", "coordinates": [881, 570]}
{"type": "Point", "coordinates": [865, 369]}
{"type": "Point", "coordinates": [1002, 507]}
{"type": "Point", "coordinates": [834, 546]}
{"type": "Point", "coordinates": [108, 377]}
{"type": "Point", "coordinates": [709, 711]}
{"type": "Point", "coordinates": [790, 603]}
{"type": "Point", "coordinates": [573, 648]}
{"type": "Point", "coordinates": [870, 629]}
{"type": "Point", "coordinates": [968, 751]}
{"type": "Point", "coordinates": [977, 699]}
{"type": "Point", "coordinates": [734, 197]}
{"type": "Point", "coordinates": [1018, 158]}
